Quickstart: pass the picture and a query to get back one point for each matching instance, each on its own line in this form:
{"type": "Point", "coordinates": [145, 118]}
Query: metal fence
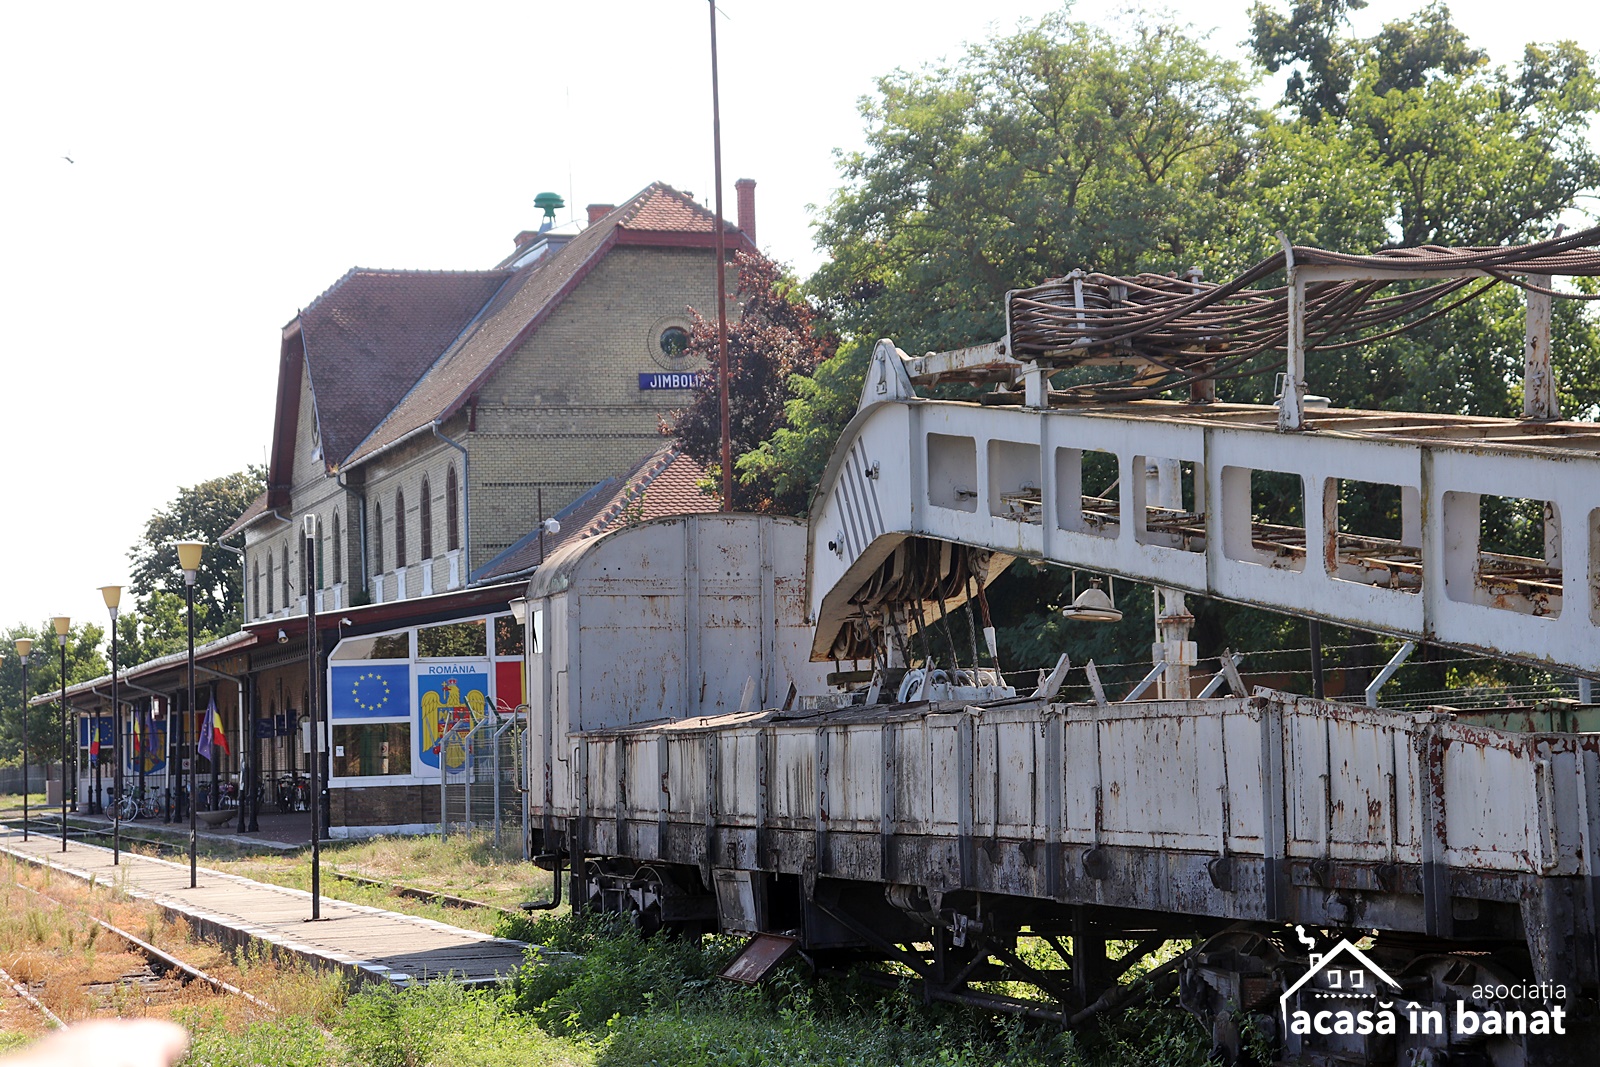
{"type": "Point", "coordinates": [482, 778]}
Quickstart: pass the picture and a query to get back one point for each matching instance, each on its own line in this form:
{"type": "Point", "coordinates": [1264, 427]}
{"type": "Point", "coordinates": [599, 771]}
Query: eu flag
{"type": "Point", "coordinates": [370, 691]}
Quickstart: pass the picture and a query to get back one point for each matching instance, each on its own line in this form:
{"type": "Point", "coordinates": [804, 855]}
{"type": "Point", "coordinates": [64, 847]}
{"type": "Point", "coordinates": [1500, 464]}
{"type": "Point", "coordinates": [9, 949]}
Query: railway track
{"type": "Point", "coordinates": [400, 889]}
{"type": "Point", "coordinates": [140, 979]}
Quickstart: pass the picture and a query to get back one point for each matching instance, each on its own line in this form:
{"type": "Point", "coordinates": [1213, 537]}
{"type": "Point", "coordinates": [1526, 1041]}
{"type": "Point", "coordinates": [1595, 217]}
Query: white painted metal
{"type": "Point", "coordinates": [952, 471]}
{"type": "Point", "coordinates": [1156, 775]}
{"type": "Point", "coordinates": [664, 620]}
{"type": "Point", "coordinates": [1291, 413]}
{"type": "Point", "coordinates": [1539, 399]}
{"type": "Point", "coordinates": [1396, 661]}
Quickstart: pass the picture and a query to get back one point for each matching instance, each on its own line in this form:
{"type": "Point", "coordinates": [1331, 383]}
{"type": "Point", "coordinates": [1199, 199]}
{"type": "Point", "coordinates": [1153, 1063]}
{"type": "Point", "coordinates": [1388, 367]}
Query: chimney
{"type": "Point", "coordinates": [526, 237]}
{"type": "Point", "coordinates": [599, 211]}
{"type": "Point", "coordinates": [746, 190]}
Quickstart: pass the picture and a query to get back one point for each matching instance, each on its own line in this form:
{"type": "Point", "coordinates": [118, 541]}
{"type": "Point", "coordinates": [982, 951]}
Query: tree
{"type": "Point", "coordinates": [158, 628]}
{"type": "Point", "coordinates": [1446, 149]}
{"type": "Point", "coordinates": [776, 336]}
{"type": "Point", "coordinates": [1064, 146]}
{"type": "Point", "coordinates": [1307, 36]}
{"type": "Point", "coordinates": [1418, 141]}
{"type": "Point", "coordinates": [1061, 146]}
{"type": "Point", "coordinates": [84, 662]}
{"type": "Point", "coordinates": [200, 513]}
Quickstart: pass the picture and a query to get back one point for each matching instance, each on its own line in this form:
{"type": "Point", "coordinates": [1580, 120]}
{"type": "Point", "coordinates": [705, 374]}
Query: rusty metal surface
{"type": "Point", "coordinates": [759, 956]}
{"type": "Point", "coordinates": [1359, 787]}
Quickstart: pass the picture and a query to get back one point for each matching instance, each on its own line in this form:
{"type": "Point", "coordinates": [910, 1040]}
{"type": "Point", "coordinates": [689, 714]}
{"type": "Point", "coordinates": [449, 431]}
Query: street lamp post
{"type": "Point", "coordinates": [24, 650]}
{"type": "Point", "coordinates": [63, 626]}
{"type": "Point", "coordinates": [313, 691]}
{"type": "Point", "coordinates": [113, 598]}
{"type": "Point", "coordinates": [189, 563]}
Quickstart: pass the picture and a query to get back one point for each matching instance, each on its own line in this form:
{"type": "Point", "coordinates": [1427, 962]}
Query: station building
{"type": "Point", "coordinates": [427, 423]}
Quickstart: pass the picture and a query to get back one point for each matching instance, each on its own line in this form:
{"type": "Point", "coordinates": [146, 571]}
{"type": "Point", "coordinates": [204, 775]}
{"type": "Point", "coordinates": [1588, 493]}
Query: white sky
{"type": "Point", "coordinates": [231, 161]}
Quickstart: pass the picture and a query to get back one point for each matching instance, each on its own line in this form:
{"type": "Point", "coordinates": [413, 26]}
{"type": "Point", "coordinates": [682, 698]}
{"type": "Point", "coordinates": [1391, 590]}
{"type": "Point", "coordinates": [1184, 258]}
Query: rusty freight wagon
{"type": "Point", "coordinates": [739, 725]}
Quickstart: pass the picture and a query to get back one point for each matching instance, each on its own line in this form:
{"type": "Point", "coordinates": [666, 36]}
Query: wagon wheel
{"type": "Point", "coordinates": [1450, 977]}
{"type": "Point", "coordinates": [644, 900]}
{"type": "Point", "coordinates": [593, 896]}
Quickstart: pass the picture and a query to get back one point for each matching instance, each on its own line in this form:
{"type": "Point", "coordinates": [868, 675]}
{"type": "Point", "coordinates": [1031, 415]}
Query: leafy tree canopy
{"type": "Point", "coordinates": [84, 661]}
{"type": "Point", "coordinates": [776, 336]}
{"type": "Point", "coordinates": [201, 513]}
{"type": "Point", "coordinates": [1064, 145]}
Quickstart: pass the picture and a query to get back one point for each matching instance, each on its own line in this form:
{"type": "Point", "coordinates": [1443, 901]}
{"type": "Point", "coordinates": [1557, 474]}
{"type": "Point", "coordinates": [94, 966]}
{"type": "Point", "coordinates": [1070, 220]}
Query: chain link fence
{"type": "Point", "coordinates": [482, 777]}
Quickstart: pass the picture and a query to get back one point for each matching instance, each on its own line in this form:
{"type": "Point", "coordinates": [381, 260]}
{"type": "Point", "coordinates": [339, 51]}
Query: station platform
{"type": "Point", "coordinates": [367, 943]}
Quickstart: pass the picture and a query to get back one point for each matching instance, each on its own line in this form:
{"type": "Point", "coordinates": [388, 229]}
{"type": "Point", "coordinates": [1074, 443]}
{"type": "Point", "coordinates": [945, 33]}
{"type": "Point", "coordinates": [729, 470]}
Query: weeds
{"type": "Point", "coordinates": [657, 1002]}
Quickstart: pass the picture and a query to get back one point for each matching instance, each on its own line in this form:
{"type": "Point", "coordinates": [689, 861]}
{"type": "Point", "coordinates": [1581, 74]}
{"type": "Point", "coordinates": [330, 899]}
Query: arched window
{"type": "Point", "coordinates": [287, 585]}
{"type": "Point", "coordinates": [452, 510]}
{"type": "Point", "coordinates": [377, 538]}
{"type": "Point", "coordinates": [255, 591]}
{"type": "Point", "coordinates": [425, 521]}
{"type": "Point", "coordinates": [338, 551]}
{"type": "Point", "coordinates": [399, 528]}
{"type": "Point", "coordinates": [270, 607]}
{"type": "Point", "coordinates": [319, 578]}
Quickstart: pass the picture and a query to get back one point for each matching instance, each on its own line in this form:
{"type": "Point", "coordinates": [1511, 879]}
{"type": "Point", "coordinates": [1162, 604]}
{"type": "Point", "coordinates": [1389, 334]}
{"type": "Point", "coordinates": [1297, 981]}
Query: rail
{"type": "Point", "coordinates": [448, 900]}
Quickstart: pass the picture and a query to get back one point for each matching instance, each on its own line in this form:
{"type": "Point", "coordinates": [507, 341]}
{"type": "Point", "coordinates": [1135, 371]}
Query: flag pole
{"type": "Point", "coordinates": [722, 278]}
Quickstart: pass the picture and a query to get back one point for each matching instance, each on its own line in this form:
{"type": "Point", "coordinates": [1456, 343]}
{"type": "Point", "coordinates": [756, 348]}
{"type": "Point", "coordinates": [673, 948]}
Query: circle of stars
{"type": "Point", "coordinates": [355, 692]}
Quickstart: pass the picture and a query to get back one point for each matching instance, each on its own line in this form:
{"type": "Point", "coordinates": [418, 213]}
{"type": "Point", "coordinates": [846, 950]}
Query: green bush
{"type": "Point", "coordinates": [441, 1024]}
{"type": "Point", "coordinates": [656, 1002]}
{"type": "Point", "coordinates": [586, 972]}
{"type": "Point", "coordinates": [283, 1041]}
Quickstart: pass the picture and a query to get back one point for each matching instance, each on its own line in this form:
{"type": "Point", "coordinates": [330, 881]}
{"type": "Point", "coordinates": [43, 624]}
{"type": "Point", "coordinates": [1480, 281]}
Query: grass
{"type": "Point", "coordinates": [657, 1003]}
{"type": "Point", "coordinates": [464, 865]}
{"type": "Point", "coordinates": [49, 941]}
{"type": "Point", "coordinates": [597, 995]}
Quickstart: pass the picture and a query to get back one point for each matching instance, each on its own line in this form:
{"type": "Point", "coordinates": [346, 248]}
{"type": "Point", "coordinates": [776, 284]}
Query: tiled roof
{"type": "Point", "coordinates": [257, 508]}
{"type": "Point", "coordinates": [665, 483]}
{"type": "Point", "coordinates": [523, 302]}
{"type": "Point", "coordinates": [373, 334]}
{"type": "Point", "coordinates": [666, 210]}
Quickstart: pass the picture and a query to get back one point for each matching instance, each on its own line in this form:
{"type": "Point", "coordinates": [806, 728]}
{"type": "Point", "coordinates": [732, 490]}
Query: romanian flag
{"type": "Point", "coordinates": [212, 736]}
{"type": "Point", "coordinates": [138, 733]}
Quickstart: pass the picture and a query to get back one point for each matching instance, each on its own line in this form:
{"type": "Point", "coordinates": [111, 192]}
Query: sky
{"type": "Point", "coordinates": [179, 179]}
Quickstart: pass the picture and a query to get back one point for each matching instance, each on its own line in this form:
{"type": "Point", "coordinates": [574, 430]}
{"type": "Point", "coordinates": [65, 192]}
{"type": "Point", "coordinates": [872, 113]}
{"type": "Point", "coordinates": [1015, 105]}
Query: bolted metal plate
{"type": "Point", "coordinates": [759, 956]}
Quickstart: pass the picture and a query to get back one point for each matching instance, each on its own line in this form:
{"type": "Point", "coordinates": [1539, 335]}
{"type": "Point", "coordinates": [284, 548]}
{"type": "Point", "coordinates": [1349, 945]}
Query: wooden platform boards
{"type": "Point", "coordinates": [367, 943]}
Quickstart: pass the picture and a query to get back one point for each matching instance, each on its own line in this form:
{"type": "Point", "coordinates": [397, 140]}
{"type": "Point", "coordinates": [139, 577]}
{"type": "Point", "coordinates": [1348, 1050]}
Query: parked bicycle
{"type": "Point", "coordinates": [294, 793]}
{"type": "Point", "coordinates": [136, 804]}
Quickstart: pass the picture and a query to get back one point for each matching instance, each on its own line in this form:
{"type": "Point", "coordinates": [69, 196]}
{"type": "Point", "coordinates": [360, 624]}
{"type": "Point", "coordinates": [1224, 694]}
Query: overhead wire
{"type": "Point", "coordinates": [1198, 330]}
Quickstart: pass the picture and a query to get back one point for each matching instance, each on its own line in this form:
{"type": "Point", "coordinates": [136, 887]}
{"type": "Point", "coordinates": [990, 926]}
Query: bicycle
{"type": "Point", "coordinates": [294, 793]}
{"type": "Point", "coordinates": [125, 806]}
{"type": "Point", "coordinates": [135, 804]}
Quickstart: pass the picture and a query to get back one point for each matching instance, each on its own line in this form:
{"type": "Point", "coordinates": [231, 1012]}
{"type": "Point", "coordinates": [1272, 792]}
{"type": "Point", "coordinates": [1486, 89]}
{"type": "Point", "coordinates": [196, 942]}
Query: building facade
{"type": "Point", "coordinates": [430, 420]}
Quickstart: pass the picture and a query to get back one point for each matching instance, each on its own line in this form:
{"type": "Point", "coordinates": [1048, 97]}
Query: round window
{"type": "Point", "coordinates": [674, 341]}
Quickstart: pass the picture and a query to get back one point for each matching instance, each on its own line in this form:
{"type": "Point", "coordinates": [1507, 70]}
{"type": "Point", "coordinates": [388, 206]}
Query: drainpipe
{"type": "Point", "coordinates": [466, 504]}
{"type": "Point", "coordinates": [244, 581]}
{"type": "Point", "coordinates": [361, 526]}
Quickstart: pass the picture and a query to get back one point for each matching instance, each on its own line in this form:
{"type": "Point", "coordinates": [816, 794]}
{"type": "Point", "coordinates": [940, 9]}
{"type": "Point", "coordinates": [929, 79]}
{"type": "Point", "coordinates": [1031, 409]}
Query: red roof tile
{"type": "Point", "coordinates": [522, 303]}
{"type": "Point", "coordinates": [664, 209]}
{"type": "Point", "coordinates": [664, 483]}
{"type": "Point", "coordinates": [257, 508]}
